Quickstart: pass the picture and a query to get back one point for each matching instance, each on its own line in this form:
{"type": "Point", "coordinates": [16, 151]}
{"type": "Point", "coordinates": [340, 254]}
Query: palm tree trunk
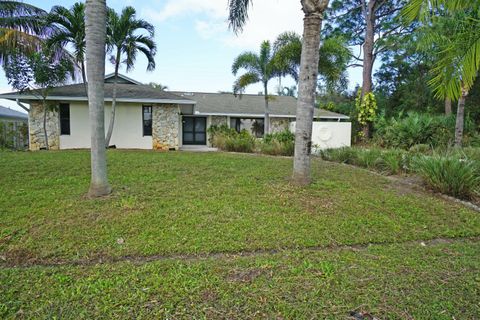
{"type": "Point", "coordinates": [460, 117]}
{"type": "Point", "coordinates": [448, 106]}
{"type": "Point", "coordinates": [312, 24]}
{"type": "Point", "coordinates": [114, 101]}
{"type": "Point", "coordinates": [266, 120]}
{"type": "Point", "coordinates": [45, 123]}
{"type": "Point", "coordinates": [96, 13]}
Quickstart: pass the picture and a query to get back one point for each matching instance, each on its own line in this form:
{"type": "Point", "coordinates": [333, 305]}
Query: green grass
{"type": "Point", "coordinates": [175, 204]}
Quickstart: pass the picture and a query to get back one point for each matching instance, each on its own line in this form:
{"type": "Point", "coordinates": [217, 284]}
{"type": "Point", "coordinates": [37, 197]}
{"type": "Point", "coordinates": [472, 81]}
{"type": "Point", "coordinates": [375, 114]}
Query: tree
{"type": "Point", "coordinates": [259, 68]}
{"type": "Point", "coordinates": [334, 56]}
{"type": "Point", "coordinates": [21, 29]}
{"type": "Point", "coordinates": [401, 81]}
{"type": "Point", "coordinates": [312, 23]}
{"type": "Point", "coordinates": [95, 30]}
{"type": "Point", "coordinates": [69, 30]}
{"type": "Point", "coordinates": [39, 73]}
{"type": "Point", "coordinates": [451, 32]}
{"type": "Point", "coordinates": [158, 86]}
{"type": "Point", "coordinates": [368, 24]}
{"type": "Point", "coordinates": [123, 39]}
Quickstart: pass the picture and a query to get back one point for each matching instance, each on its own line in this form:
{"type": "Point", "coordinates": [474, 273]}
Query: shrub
{"type": "Point", "coordinates": [452, 175]}
{"type": "Point", "coordinates": [420, 149]}
{"type": "Point", "coordinates": [367, 158]}
{"type": "Point", "coordinates": [228, 139]}
{"type": "Point", "coordinates": [415, 129]}
{"type": "Point", "coordinates": [240, 142]}
{"type": "Point", "coordinates": [343, 155]}
{"type": "Point", "coordinates": [281, 143]}
{"type": "Point", "coordinates": [393, 162]}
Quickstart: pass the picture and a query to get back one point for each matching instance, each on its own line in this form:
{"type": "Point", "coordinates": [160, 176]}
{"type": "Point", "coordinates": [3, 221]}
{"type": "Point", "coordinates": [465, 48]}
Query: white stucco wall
{"type": "Point", "coordinates": [327, 135]}
{"type": "Point", "coordinates": [127, 131]}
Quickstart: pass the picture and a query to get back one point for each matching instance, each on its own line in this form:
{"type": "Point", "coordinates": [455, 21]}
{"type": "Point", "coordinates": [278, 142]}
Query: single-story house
{"type": "Point", "coordinates": [13, 129]}
{"type": "Point", "coordinates": [148, 118]}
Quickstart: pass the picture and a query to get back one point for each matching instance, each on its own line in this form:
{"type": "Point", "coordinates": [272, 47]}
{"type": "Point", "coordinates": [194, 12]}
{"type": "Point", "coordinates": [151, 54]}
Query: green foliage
{"type": "Point", "coordinates": [280, 143]}
{"type": "Point", "coordinates": [69, 29]}
{"type": "Point", "coordinates": [418, 128]}
{"type": "Point", "coordinates": [455, 172]}
{"type": "Point", "coordinates": [240, 142]}
{"type": "Point", "coordinates": [452, 175]}
{"type": "Point", "coordinates": [229, 139]}
{"type": "Point", "coordinates": [127, 36]}
{"type": "Point", "coordinates": [384, 161]}
{"type": "Point", "coordinates": [40, 70]}
{"type": "Point", "coordinates": [366, 107]}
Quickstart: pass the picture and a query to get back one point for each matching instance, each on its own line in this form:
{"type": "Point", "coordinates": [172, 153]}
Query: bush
{"type": "Point", "coordinates": [393, 162]}
{"type": "Point", "coordinates": [343, 155]}
{"type": "Point", "coordinates": [367, 158]}
{"type": "Point", "coordinates": [229, 139]}
{"type": "Point", "coordinates": [452, 175]}
{"type": "Point", "coordinates": [417, 129]}
{"type": "Point", "coordinates": [240, 142]}
{"type": "Point", "coordinates": [281, 143]}
{"type": "Point", "coordinates": [384, 161]}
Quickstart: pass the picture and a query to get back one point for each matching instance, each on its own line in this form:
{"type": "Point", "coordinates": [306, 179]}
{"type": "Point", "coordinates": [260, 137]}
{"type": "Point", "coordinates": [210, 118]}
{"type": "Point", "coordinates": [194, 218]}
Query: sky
{"type": "Point", "coordinates": [195, 48]}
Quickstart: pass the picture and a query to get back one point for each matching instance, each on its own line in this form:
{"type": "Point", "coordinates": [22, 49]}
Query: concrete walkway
{"type": "Point", "coordinates": [195, 148]}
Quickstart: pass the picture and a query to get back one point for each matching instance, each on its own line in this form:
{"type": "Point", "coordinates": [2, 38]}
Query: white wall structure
{"type": "Point", "coordinates": [127, 130]}
{"type": "Point", "coordinates": [329, 134]}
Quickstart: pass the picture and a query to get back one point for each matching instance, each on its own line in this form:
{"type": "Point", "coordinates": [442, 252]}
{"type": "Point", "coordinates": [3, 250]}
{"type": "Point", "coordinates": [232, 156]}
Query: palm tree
{"type": "Point", "coordinates": [313, 17]}
{"type": "Point", "coordinates": [334, 55]}
{"type": "Point", "coordinates": [454, 39]}
{"type": "Point", "coordinates": [158, 86]}
{"type": "Point", "coordinates": [70, 30]}
{"type": "Point", "coordinates": [21, 29]}
{"type": "Point", "coordinates": [123, 38]}
{"type": "Point", "coordinates": [260, 68]}
{"type": "Point", "coordinates": [95, 22]}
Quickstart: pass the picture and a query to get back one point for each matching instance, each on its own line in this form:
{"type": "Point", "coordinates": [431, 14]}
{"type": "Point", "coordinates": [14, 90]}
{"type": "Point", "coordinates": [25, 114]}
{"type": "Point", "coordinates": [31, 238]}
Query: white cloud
{"type": "Point", "coordinates": [267, 19]}
{"type": "Point", "coordinates": [173, 8]}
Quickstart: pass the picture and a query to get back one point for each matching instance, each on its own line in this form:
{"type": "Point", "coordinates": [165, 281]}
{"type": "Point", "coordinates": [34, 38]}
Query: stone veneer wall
{"type": "Point", "coordinates": [165, 126]}
{"type": "Point", "coordinates": [35, 127]}
{"type": "Point", "coordinates": [279, 124]}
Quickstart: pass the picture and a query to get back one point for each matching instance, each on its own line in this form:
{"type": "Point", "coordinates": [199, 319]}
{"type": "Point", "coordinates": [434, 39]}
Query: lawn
{"type": "Point", "coordinates": [217, 235]}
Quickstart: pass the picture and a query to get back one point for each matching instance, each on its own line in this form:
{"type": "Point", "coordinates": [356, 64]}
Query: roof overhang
{"type": "Point", "coordinates": [261, 115]}
{"type": "Point", "coordinates": [27, 98]}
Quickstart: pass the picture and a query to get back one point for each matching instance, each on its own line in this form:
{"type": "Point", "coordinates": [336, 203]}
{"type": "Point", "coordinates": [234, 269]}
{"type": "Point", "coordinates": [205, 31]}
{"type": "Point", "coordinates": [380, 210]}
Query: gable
{"type": "Point", "coordinates": [110, 78]}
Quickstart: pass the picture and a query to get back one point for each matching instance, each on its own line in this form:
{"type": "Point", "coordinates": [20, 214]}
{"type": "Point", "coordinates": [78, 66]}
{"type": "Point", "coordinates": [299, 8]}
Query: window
{"type": "Point", "coordinates": [147, 120]}
{"type": "Point", "coordinates": [252, 125]}
{"type": "Point", "coordinates": [64, 118]}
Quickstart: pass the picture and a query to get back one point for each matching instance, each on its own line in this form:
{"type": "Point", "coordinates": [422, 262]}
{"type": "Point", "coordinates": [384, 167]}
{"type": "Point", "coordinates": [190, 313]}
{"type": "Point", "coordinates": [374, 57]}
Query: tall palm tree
{"type": "Point", "coordinates": [70, 30]}
{"type": "Point", "coordinates": [334, 56]}
{"type": "Point", "coordinates": [21, 29]}
{"type": "Point", "coordinates": [125, 37]}
{"type": "Point", "coordinates": [95, 22]}
{"type": "Point", "coordinates": [259, 68]}
{"type": "Point", "coordinates": [454, 39]}
{"type": "Point", "coordinates": [313, 17]}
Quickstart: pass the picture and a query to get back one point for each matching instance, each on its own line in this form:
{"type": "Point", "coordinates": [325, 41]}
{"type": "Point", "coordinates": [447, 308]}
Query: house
{"type": "Point", "coordinates": [148, 118]}
{"type": "Point", "coordinates": [13, 129]}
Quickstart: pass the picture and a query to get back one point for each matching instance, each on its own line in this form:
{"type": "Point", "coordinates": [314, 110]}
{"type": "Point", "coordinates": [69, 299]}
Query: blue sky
{"type": "Point", "coordinates": [195, 47]}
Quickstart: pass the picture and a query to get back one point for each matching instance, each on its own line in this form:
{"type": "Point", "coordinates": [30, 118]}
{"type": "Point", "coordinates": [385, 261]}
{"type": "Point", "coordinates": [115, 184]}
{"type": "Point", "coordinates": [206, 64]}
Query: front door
{"type": "Point", "coordinates": [194, 130]}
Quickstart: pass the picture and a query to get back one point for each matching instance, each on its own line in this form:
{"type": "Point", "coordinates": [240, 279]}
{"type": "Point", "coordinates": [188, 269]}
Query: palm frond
{"type": "Point", "coordinates": [244, 81]}
{"type": "Point", "coordinates": [247, 60]}
{"type": "Point", "coordinates": [238, 14]}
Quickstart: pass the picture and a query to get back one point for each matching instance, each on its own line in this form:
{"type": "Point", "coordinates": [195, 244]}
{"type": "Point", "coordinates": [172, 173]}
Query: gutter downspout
{"type": "Point", "coordinates": [21, 105]}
